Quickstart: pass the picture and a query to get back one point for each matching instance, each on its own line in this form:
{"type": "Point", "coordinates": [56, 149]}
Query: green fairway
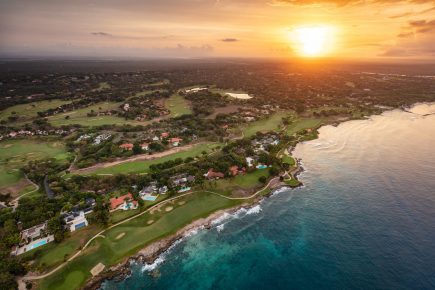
{"type": "Point", "coordinates": [303, 123]}
{"type": "Point", "coordinates": [128, 238]}
{"type": "Point", "coordinates": [143, 166]}
{"type": "Point", "coordinates": [178, 106]}
{"type": "Point", "coordinates": [103, 86]}
{"type": "Point", "coordinates": [80, 116]}
{"type": "Point", "coordinates": [270, 124]}
{"type": "Point", "coordinates": [16, 153]}
{"type": "Point", "coordinates": [30, 110]}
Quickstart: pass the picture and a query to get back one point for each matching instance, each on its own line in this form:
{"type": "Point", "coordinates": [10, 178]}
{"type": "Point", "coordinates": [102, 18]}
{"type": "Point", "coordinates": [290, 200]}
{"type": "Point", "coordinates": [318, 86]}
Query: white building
{"type": "Point", "coordinates": [75, 222]}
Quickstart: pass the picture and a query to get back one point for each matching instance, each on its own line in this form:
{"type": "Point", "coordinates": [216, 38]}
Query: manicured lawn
{"type": "Point", "coordinates": [16, 153]}
{"type": "Point", "coordinates": [270, 124]}
{"type": "Point", "coordinates": [288, 159]}
{"type": "Point", "coordinates": [120, 215]}
{"type": "Point", "coordinates": [292, 182]}
{"type": "Point", "coordinates": [178, 106]}
{"type": "Point", "coordinates": [246, 182]}
{"type": "Point", "coordinates": [143, 166]}
{"type": "Point", "coordinates": [301, 124]}
{"type": "Point", "coordinates": [30, 110]}
{"type": "Point", "coordinates": [130, 237]}
{"type": "Point", "coordinates": [53, 254]}
{"type": "Point", "coordinates": [80, 117]}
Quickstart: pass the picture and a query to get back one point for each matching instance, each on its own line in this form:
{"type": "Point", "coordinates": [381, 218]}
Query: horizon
{"type": "Point", "coordinates": [402, 31]}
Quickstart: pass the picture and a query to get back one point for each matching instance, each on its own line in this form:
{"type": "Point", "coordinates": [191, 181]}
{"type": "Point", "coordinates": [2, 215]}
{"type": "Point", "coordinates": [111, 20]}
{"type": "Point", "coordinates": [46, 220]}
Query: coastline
{"type": "Point", "coordinates": [150, 253]}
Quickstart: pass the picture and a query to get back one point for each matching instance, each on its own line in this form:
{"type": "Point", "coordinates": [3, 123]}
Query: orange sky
{"type": "Point", "coordinates": [215, 28]}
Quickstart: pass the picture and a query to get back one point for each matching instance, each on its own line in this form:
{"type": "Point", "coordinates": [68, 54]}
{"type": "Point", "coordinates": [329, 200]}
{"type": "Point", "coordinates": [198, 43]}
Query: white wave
{"type": "Point", "coordinates": [220, 228]}
{"type": "Point", "coordinates": [254, 210]}
{"type": "Point", "coordinates": [221, 219]}
{"type": "Point", "coordinates": [154, 265]}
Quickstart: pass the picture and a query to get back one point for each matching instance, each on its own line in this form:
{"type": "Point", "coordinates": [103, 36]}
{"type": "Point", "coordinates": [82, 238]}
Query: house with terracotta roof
{"type": "Point", "coordinates": [164, 135]}
{"type": "Point", "coordinates": [175, 141]}
{"type": "Point", "coordinates": [213, 174]}
{"type": "Point", "coordinates": [145, 146]}
{"type": "Point", "coordinates": [235, 170]}
{"type": "Point", "coordinates": [126, 146]}
{"type": "Point", "coordinates": [125, 202]}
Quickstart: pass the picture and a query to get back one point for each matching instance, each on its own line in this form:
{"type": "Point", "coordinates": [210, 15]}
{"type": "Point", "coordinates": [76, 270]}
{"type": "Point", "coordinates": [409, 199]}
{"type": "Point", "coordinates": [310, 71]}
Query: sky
{"type": "Point", "coordinates": [356, 29]}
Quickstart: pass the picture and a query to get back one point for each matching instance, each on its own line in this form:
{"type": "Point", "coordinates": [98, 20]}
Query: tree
{"type": "Point", "coordinates": [7, 281]}
{"type": "Point", "coordinates": [137, 149]}
{"type": "Point", "coordinates": [262, 179]}
{"type": "Point", "coordinates": [55, 227]}
{"type": "Point", "coordinates": [101, 212]}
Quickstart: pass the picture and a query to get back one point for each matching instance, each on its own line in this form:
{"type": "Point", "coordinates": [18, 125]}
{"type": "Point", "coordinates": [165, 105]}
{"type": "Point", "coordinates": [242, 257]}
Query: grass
{"type": "Point", "coordinates": [178, 106]}
{"type": "Point", "coordinates": [292, 182]}
{"type": "Point", "coordinates": [301, 124]}
{"type": "Point", "coordinates": [138, 233]}
{"type": "Point", "coordinates": [288, 159]}
{"type": "Point", "coordinates": [80, 117]}
{"type": "Point", "coordinates": [246, 182]}
{"type": "Point", "coordinates": [14, 154]}
{"type": "Point", "coordinates": [53, 254]}
{"type": "Point", "coordinates": [144, 166]}
{"type": "Point", "coordinates": [270, 124]}
{"type": "Point", "coordinates": [31, 110]}
{"type": "Point", "coordinates": [103, 86]}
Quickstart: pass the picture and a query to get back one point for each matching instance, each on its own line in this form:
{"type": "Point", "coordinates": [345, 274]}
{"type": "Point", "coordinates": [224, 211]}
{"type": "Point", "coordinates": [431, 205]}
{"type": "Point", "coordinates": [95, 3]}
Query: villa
{"type": "Point", "coordinates": [76, 221]}
{"type": "Point", "coordinates": [145, 146]}
{"type": "Point", "coordinates": [126, 146]}
{"type": "Point", "coordinates": [235, 170]}
{"type": "Point", "coordinates": [33, 238]}
{"type": "Point", "coordinates": [213, 175]}
{"type": "Point", "coordinates": [125, 202]}
{"type": "Point", "coordinates": [175, 141]}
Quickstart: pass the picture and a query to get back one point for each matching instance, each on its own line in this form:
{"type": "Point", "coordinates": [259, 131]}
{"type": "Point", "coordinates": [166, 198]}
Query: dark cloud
{"type": "Point", "coordinates": [105, 34]}
{"type": "Point", "coordinates": [229, 40]}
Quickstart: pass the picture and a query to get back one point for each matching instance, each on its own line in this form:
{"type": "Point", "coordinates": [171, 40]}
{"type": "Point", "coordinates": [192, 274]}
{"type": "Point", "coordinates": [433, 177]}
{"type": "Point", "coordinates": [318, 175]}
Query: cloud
{"type": "Point", "coordinates": [422, 26]}
{"type": "Point", "coordinates": [229, 40]}
{"type": "Point", "coordinates": [347, 2]}
{"type": "Point", "coordinates": [105, 34]}
{"type": "Point", "coordinates": [405, 34]}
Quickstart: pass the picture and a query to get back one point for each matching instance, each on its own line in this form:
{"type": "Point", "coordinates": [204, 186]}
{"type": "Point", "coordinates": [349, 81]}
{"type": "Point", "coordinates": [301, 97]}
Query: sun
{"type": "Point", "coordinates": [312, 41]}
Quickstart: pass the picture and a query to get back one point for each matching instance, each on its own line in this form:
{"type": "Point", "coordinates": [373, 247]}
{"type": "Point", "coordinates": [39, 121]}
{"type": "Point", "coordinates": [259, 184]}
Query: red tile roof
{"type": "Point", "coordinates": [212, 174]}
{"type": "Point", "coordinates": [126, 146]}
{"type": "Point", "coordinates": [116, 202]}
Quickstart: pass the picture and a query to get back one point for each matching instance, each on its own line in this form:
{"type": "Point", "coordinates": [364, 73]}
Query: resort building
{"type": "Point", "coordinates": [175, 141]}
{"type": "Point", "coordinates": [125, 202]}
{"type": "Point", "coordinates": [235, 170]}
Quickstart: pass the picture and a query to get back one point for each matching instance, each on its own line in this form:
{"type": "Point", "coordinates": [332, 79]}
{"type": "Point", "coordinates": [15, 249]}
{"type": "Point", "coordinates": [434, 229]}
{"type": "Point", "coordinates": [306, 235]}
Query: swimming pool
{"type": "Point", "coordinates": [149, 198]}
{"type": "Point", "coordinates": [35, 245]}
{"type": "Point", "coordinates": [261, 166]}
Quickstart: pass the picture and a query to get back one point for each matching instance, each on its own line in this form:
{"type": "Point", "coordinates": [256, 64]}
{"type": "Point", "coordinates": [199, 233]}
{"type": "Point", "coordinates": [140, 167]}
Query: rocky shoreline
{"type": "Point", "coordinates": [152, 252]}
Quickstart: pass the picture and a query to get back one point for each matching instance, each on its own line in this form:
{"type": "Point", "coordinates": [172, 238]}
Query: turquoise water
{"type": "Point", "coordinates": [38, 244]}
{"type": "Point", "coordinates": [365, 219]}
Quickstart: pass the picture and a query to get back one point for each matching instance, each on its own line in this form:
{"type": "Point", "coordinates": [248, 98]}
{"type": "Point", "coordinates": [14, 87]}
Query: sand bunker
{"type": "Point", "coordinates": [119, 236]}
{"type": "Point", "coordinates": [150, 222]}
{"type": "Point", "coordinates": [169, 208]}
{"type": "Point", "coordinates": [97, 269]}
{"type": "Point", "coordinates": [239, 96]}
{"type": "Point", "coordinates": [181, 202]}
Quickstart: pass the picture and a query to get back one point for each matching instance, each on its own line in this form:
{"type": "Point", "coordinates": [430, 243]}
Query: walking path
{"type": "Point", "coordinates": [15, 201]}
{"type": "Point", "coordinates": [100, 234]}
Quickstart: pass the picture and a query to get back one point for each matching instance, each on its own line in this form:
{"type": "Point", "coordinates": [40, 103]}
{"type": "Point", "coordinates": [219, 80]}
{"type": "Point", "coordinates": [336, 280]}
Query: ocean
{"type": "Point", "coordinates": [364, 219]}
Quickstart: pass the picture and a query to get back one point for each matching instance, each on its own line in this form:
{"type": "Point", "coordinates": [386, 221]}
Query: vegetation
{"type": "Point", "coordinates": [178, 106]}
{"type": "Point", "coordinates": [14, 154]}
